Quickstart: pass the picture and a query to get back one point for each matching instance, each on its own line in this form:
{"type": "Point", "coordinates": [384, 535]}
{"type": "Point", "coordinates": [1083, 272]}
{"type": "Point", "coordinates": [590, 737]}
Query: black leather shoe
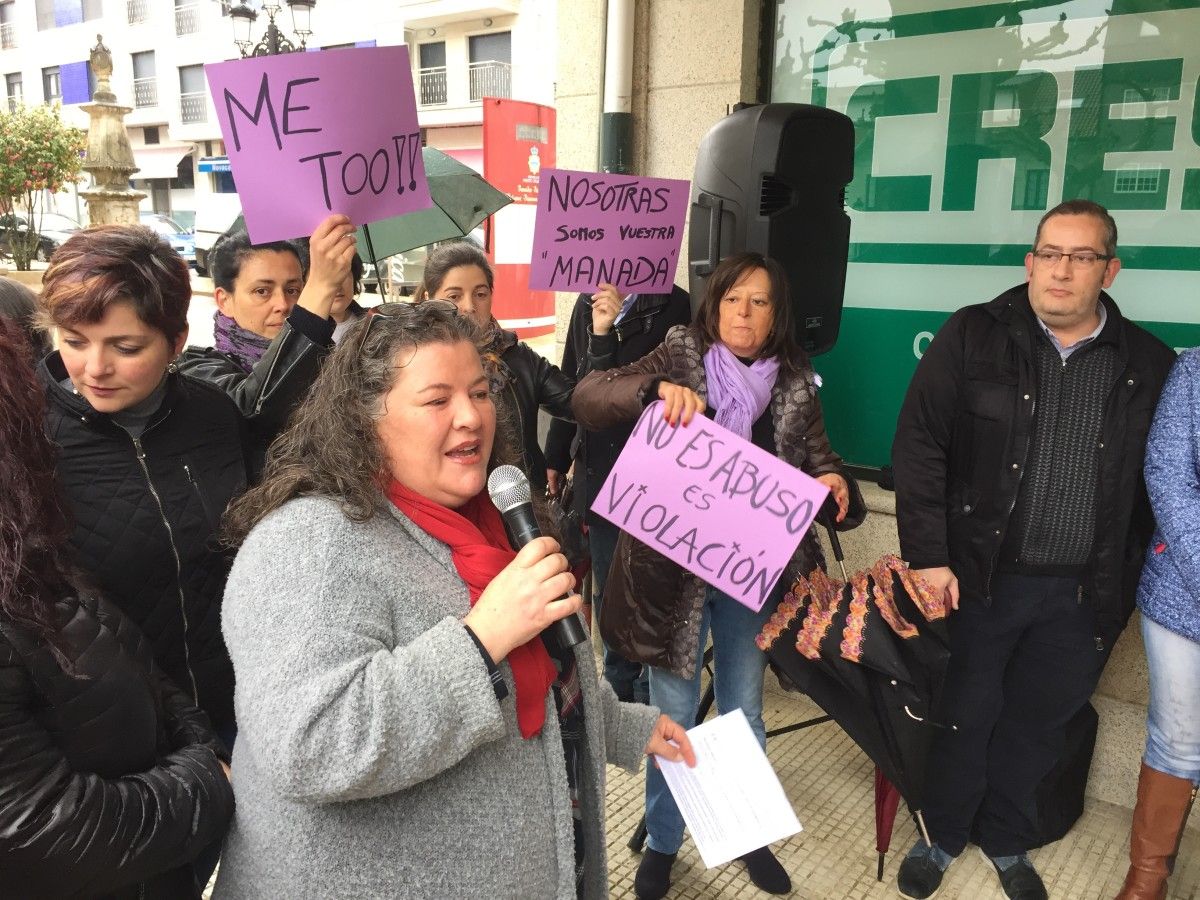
{"type": "Point", "coordinates": [653, 878]}
{"type": "Point", "coordinates": [1019, 880]}
{"type": "Point", "coordinates": [766, 872]}
{"type": "Point", "coordinates": [920, 875]}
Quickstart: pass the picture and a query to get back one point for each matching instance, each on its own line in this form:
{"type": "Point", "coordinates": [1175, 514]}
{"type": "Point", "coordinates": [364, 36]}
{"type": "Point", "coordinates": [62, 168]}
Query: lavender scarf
{"type": "Point", "coordinates": [246, 347]}
{"type": "Point", "coordinates": [738, 393]}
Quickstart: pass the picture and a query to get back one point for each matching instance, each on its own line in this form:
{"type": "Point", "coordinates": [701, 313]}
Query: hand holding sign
{"type": "Point", "coordinates": [330, 251]}
{"type": "Point", "coordinates": [606, 305]}
{"type": "Point", "coordinates": [680, 404]}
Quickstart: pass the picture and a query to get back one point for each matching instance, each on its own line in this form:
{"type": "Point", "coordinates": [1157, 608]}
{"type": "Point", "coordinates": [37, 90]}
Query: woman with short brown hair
{"type": "Point", "coordinates": [148, 458]}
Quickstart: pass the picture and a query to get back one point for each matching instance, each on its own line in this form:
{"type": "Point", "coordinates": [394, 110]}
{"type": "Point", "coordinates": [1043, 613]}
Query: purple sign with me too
{"type": "Point", "coordinates": [309, 134]}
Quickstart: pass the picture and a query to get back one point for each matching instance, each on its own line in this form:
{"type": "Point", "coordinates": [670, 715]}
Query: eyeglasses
{"type": "Point", "coordinates": [411, 311]}
{"type": "Point", "coordinates": [1078, 257]}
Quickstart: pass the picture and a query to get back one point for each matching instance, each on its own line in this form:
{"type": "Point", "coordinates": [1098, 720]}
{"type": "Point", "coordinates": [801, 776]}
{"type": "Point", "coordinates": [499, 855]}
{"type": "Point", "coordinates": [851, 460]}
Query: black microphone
{"type": "Point", "coordinates": [509, 490]}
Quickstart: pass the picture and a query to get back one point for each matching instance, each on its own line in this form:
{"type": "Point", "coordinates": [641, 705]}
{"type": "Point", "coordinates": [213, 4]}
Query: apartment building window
{"type": "Point", "coordinates": [8, 33]}
{"type": "Point", "coordinates": [490, 68]}
{"type": "Point", "coordinates": [192, 95]}
{"type": "Point", "coordinates": [137, 11]}
{"type": "Point", "coordinates": [51, 84]}
{"type": "Point", "coordinates": [187, 19]}
{"type": "Point", "coordinates": [432, 74]}
{"type": "Point", "coordinates": [60, 13]}
{"type": "Point", "coordinates": [14, 89]}
{"type": "Point", "coordinates": [150, 135]}
{"type": "Point", "coordinates": [145, 79]}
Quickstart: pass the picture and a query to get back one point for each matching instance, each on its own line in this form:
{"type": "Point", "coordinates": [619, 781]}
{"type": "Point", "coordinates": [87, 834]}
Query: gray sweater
{"type": "Point", "coordinates": [373, 758]}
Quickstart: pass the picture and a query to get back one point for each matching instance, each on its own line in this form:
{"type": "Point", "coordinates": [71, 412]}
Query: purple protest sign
{"type": "Point", "coordinates": [595, 228]}
{"type": "Point", "coordinates": [308, 134]}
{"type": "Point", "coordinates": [712, 502]}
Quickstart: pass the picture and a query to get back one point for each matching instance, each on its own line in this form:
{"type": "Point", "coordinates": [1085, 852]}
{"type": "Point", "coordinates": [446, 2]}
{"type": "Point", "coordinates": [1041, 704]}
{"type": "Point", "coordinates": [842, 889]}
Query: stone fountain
{"type": "Point", "coordinates": [109, 158]}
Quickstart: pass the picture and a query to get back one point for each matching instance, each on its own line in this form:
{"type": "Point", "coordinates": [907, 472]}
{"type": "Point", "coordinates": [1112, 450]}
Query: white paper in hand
{"type": "Point", "coordinates": [732, 801]}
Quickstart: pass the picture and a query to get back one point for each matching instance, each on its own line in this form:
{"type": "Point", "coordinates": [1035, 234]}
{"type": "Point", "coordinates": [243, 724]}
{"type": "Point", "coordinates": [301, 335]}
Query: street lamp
{"type": "Point", "coordinates": [273, 41]}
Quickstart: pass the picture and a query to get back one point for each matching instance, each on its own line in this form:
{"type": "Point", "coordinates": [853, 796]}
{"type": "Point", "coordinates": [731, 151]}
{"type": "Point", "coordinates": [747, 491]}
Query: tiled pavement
{"type": "Point", "coordinates": [830, 784]}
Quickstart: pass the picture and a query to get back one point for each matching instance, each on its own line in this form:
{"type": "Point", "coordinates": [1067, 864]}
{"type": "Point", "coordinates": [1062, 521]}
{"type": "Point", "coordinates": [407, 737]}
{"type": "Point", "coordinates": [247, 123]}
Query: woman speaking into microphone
{"type": "Point", "coordinates": [404, 730]}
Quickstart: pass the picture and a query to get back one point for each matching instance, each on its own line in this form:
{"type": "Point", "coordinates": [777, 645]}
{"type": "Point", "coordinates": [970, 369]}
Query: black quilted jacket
{"type": "Point", "coordinates": [146, 514]}
{"type": "Point", "coordinates": [110, 783]}
{"type": "Point", "coordinates": [534, 384]}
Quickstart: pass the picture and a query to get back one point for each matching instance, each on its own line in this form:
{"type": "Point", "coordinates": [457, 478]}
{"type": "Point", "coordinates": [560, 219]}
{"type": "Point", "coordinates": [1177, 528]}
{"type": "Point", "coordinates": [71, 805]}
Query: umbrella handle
{"type": "Point", "coordinates": [825, 517]}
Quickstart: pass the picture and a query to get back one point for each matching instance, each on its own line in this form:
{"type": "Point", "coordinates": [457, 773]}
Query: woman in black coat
{"type": "Point", "coordinates": [148, 458]}
{"type": "Point", "coordinates": [111, 781]}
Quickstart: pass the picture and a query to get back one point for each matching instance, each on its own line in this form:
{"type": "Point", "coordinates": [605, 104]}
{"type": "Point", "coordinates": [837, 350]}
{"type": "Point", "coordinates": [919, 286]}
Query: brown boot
{"type": "Point", "coordinates": [1163, 804]}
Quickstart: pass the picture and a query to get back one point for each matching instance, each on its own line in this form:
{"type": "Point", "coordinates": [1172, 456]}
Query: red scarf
{"type": "Point", "coordinates": [479, 548]}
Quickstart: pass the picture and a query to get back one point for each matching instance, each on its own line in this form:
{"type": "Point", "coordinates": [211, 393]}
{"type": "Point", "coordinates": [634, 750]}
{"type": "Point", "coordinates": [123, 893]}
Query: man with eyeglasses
{"type": "Point", "coordinates": [1019, 492]}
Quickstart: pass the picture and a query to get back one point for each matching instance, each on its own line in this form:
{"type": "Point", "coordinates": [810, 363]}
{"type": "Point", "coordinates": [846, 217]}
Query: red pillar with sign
{"type": "Point", "coordinates": [518, 141]}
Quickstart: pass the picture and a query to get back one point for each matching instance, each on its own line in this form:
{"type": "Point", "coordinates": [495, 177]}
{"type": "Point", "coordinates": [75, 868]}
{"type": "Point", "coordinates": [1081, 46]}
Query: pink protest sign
{"type": "Point", "coordinates": [594, 228]}
{"type": "Point", "coordinates": [313, 133]}
{"type": "Point", "coordinates": [712, 502]}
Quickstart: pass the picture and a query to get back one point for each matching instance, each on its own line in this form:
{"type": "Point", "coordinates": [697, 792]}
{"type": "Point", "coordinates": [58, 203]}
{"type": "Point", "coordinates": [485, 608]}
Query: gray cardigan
{"type": "Point", "coordinates": [373, 759]}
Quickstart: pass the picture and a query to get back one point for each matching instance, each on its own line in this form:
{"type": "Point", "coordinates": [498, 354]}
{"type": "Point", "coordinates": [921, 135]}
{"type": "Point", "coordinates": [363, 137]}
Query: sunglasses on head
{"type": "Point", "coordinates": [403, 310]}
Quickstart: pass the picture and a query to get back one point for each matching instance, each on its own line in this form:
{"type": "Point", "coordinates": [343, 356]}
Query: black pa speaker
{"type": "Point", "coordinates": [772, 179]}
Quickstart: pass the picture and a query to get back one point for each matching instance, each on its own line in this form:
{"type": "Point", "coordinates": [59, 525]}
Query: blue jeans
{"type": "Point", "coordinates": [627, 678]}
{"type": "Point", "coordinates": [738, 667]}
{"type": "Point", "coordinates": [1173, 725]}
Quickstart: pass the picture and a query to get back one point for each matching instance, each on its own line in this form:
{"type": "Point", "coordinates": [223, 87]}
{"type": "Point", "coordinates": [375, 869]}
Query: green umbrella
{"type": "Point", "coordinates": [461, 201]}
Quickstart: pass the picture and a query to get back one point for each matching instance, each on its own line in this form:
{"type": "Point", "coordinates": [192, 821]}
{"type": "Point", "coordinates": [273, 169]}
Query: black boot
{"type": "Point", "coordinates": [653, 878]}
{"type": "Point", "coordinates": [766, 872]}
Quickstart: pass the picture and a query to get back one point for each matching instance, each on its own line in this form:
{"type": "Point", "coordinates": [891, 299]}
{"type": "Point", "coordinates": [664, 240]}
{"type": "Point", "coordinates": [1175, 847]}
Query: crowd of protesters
{"type": "Point", "coordinates": [269, 571]}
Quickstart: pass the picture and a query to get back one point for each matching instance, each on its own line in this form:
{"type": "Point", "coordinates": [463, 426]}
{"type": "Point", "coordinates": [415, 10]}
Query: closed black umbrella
{"type": "Point", "coordinates": [872, 652]}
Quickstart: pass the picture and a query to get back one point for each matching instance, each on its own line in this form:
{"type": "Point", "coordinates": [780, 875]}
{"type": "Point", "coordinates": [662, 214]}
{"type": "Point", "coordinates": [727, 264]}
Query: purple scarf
{"type": "Point", "coordinates": [246, 347]}
{"type": "Point", "coordinates": [738, 393]}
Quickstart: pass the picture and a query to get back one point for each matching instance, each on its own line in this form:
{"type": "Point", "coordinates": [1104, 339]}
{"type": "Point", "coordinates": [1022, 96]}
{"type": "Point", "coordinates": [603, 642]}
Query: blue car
{"type": "Point", "coordinates": [182, 242]}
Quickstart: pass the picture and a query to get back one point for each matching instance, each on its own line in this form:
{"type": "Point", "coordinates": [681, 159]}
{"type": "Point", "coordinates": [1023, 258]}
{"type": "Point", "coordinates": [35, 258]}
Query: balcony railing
{"type": "Point", "coordinates": [145, 92]}
{"type": "Point", "coordinates": [433, 85]}
{"type": "Point", "coordinates": [8, 36]}
{"type": "Point", "coordinates": [137, 10]}
{"type": "Point", "coordinates": [187, 21]}
{"type": "Point", "coordinates": [490, 79]}
{"type": "Point", "coordinates": [192, 107]}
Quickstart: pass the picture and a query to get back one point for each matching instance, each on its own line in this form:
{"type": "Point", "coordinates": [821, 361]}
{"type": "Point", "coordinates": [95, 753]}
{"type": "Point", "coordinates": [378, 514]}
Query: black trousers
{"type": "Point", "coordinates": [1019, 670]}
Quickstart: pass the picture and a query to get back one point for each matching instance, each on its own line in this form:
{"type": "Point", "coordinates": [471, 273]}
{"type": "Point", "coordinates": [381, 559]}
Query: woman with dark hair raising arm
{"type": "Point", "coordinates": [111, 781]}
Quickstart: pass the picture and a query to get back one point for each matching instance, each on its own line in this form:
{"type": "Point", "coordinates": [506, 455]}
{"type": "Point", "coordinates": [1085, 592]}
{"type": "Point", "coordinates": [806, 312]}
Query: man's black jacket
{"type": "Point", "coordinates": [963, 437]}
{"type": "Point", "coordinates": [640, 331]}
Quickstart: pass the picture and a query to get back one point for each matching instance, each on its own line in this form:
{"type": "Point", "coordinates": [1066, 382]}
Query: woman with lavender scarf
{"type": "Point", "coordinates": [273, 326]}
{"type": "Point", "coordinates": [738, 363]}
